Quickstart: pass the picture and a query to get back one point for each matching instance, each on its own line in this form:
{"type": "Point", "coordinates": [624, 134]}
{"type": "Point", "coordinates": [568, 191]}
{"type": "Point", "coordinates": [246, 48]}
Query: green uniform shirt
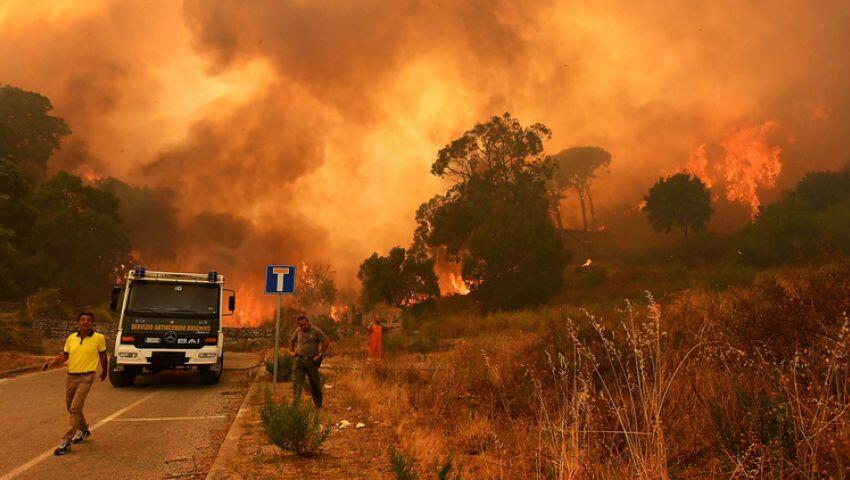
{"type": "Point", "coordinates": [307, 343]}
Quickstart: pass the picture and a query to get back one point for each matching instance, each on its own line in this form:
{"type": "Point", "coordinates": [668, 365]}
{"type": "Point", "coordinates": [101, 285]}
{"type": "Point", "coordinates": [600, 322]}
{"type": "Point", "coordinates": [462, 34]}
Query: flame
{"type": "Point", "coordinates": [449, 276]}
{"type": "Point", "coordinates": [338, 313]}
{"type": "Point", "coordinates": [87, 173]}
{"type": "Point", "coordinates": [253, 308]}
{"type": "Point", "coordinates": [459, 286]}
{"type": "Point", "coordinates": [588, 263]}
{"type": "Point", "coordinates": [748, 162]}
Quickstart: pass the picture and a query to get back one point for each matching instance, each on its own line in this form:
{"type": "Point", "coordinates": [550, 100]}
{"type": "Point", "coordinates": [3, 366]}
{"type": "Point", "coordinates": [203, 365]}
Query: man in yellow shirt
{"type": "Point", "coordinates": [82, 351]}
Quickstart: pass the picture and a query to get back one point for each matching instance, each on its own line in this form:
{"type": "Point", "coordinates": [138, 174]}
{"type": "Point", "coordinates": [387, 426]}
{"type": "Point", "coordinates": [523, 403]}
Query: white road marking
{"type": "Point", "coordinates": [35, 461]}
{"type": "Point", "coordinates": [159, 419]}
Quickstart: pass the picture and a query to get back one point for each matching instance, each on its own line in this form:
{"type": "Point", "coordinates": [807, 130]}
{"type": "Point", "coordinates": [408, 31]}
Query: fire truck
{"type": "Point", "coordinates": [169, 321]}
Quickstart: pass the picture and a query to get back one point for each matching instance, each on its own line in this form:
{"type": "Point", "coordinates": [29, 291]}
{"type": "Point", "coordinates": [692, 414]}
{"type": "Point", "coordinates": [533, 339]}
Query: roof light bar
{"type": "Point", "coordinates": [211, 277]}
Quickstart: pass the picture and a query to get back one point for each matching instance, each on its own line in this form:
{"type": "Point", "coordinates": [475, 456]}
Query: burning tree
{"type": "Point", "coordinates": [575, 168]}
{"type": "Point", "coordinates": [316, 285]}
{"type": "Point", "coordinates": [494, 218]}
{"type": "Point", "coordinates": [679, 201]}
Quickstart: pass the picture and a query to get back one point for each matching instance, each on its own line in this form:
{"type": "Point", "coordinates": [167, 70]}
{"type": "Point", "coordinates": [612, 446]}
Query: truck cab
{"type": "Point", "coordinates": [169, 321]}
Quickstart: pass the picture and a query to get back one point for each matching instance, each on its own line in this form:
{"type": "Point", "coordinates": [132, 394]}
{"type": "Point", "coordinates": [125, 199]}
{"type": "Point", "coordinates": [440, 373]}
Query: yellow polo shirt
{"type": "Point", "coordinates": [83, 353]}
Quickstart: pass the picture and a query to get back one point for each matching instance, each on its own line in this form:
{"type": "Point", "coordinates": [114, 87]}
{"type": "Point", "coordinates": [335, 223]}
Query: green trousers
{"type": "Point", "coordinates": [307, 367]}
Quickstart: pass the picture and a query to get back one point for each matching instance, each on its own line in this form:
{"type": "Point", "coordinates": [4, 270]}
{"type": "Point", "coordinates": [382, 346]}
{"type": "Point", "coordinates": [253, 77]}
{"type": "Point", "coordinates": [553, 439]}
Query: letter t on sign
{"type": "Point", "coordinates": [280, 274]}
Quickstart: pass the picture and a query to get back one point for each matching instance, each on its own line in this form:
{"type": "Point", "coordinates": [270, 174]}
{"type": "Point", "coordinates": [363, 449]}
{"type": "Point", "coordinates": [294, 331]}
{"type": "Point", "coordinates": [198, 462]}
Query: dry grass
{"type": "Point", "coordinates": [750, 383]}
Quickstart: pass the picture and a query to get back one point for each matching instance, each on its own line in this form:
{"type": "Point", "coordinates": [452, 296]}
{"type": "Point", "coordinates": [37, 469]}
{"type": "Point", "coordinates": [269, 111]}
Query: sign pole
{"type": "Point", "coordinates": [276, 343]}
{"type": "Point", "coordinates": [280, 280]}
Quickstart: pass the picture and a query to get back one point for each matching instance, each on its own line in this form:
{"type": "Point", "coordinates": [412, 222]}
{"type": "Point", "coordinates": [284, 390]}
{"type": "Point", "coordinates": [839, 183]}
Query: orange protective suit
{"type": "Point", "coordinates": [374, 342]}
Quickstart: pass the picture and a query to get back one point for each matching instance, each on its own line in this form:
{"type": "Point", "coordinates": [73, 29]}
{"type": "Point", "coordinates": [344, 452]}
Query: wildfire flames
{"type": "Point", "coordinates": [588, 263]}
{"type": "Point", "coordinates": [250, 310]}
{"type": "Point", "coordinates": [449, 276]}
{"type": "Point", "coordinates": [744, 162]}
{"type": "Point", "coordinates": [338, 313]}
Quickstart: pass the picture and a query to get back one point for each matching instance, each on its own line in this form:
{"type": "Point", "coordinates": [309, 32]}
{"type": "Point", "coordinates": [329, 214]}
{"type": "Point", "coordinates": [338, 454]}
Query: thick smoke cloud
{"type": "Point", "coordinates": [292, 130]}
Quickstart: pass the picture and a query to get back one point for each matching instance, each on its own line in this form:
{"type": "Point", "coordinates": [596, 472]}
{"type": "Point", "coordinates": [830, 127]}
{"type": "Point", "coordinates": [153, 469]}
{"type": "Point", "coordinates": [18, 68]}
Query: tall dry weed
{"type": "Point", "coordinates": [613, 386]}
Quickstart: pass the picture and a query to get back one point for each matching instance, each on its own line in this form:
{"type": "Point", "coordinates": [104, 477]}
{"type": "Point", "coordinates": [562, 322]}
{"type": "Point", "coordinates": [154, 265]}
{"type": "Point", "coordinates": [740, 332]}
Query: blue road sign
{"type": "Point", "coordinates": [280, 279]}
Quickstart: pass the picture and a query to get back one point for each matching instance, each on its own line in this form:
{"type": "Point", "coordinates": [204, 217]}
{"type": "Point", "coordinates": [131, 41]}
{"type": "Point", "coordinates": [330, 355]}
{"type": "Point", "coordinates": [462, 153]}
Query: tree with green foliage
{"type": "Point", "coordinates": [575, 168]}
{"type": "Point", "coordinates": [494, 219]}
{"type": "Point", "coordinates": [28, 134]}
{"type": "Point", "coordinates": [80, 236]}
{"type": "Point", "coordinates": [822, 189]}
{"type": "Point", "coordinates": [784, 231]}
{"type": "Point", "coordinates": [16, 214]}
{"type": "Point", "coordinates": [678, 201]}
{"type": "Point", "coordinates": [400, 279]}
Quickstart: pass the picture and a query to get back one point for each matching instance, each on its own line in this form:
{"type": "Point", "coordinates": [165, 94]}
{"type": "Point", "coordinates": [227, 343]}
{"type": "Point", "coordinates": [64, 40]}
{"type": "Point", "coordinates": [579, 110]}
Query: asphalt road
{"type": "Point", "coordinates": [167, 425]}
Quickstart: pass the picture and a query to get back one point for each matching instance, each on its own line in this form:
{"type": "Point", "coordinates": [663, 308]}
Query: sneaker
{"type": "Point", "coordinates": [63, 448]}
{"type": "Point", "coordinates": [81, 435]}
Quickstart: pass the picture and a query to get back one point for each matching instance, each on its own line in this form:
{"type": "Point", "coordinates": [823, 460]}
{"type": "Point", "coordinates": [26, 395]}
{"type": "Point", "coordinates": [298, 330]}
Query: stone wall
{"type": "Point", "coordinates": [59, 330]}
{"type": "Point", "coordinates": [247, 333]}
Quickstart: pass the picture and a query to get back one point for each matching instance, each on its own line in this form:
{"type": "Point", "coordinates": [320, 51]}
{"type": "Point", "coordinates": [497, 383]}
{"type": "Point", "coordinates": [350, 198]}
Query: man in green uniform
{"type": "Point", "coordinates": [82, 351]}
{"type": "Point", "coordinates": [308, 344]}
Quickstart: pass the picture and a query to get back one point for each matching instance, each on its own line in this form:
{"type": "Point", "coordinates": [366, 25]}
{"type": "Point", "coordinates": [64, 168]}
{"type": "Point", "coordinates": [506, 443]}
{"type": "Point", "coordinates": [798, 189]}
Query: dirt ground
{"type": "Point", "coordinates": [348, 453]}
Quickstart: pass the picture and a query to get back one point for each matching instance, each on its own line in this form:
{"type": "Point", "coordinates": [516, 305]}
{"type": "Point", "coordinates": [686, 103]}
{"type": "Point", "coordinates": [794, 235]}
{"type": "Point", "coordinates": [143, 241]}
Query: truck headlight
{"type": "Point", "coordinates": [207, 355]}
{"type": "Point", "coordinates": [128, 354]}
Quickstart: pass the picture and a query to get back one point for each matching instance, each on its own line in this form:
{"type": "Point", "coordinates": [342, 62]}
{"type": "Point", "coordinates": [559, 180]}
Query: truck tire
{"type": "Point", "coordinates": [120, 379]}
{"type": "Point", "coordinates": [210, 377]}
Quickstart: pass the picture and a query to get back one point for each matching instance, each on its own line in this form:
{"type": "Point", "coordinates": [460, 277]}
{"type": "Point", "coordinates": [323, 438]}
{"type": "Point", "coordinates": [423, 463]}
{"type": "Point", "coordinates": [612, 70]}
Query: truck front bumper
{"type": "Point", "coordinates": [129, 355]}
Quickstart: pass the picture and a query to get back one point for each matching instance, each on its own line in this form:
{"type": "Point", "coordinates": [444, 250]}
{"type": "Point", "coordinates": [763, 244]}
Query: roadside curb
{"type": "Point", "coordinates": [17, 371]}
{"type": "Point", "coordinates": [230, 446]}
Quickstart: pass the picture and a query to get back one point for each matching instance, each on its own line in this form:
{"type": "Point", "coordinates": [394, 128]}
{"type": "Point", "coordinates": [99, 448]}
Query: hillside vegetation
{"type": "Point", "coordinates": [751, 382]}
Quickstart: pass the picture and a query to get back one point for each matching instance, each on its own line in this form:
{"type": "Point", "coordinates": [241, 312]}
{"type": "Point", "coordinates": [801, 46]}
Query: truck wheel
{"type": "Point", "coordinates": [210, 377]}
{"type": "Point", "coordinates": [120, 379]}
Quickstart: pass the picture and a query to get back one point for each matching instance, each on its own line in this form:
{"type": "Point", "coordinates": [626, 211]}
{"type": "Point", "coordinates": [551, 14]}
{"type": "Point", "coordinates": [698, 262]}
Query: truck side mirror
{"type": "Point", "coordinates": [116, 296]}
{"type": "Point", "coordinates": [231, 301]}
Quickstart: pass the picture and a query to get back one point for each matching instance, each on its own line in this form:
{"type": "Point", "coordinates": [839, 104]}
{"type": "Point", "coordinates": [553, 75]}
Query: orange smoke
{"type": "Point", "coordinates": [745, 163]}
{"type": "Point", "coordinates": [267, 141]}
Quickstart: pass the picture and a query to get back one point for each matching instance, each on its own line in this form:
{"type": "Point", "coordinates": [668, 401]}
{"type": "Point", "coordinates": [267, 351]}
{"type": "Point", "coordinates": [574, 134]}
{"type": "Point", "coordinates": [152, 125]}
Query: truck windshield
{"type": "Point", "coordinates": [173, 299]}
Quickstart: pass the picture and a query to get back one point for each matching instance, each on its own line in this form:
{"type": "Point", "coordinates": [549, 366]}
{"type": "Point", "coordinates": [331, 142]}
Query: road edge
{"type": "Point", "coordinates": [230, 445]}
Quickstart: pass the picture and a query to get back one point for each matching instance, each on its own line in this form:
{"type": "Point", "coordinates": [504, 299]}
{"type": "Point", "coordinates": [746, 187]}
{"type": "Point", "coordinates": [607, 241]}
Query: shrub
{"type": "Point", "coordinates": [402, 465]}
{"type": "Point", "coordinates": [285, 364]}
{"type": "Point", "coordinates": [17, 334]}
{"type": "Point", "coordinates": [784, 231]}
{"type": "Point", "coordinates": [293, 427]}
{"type": "Point", "coordinates": [753, 415]}
{"type": "Point", "coordinates": [446, 470]}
